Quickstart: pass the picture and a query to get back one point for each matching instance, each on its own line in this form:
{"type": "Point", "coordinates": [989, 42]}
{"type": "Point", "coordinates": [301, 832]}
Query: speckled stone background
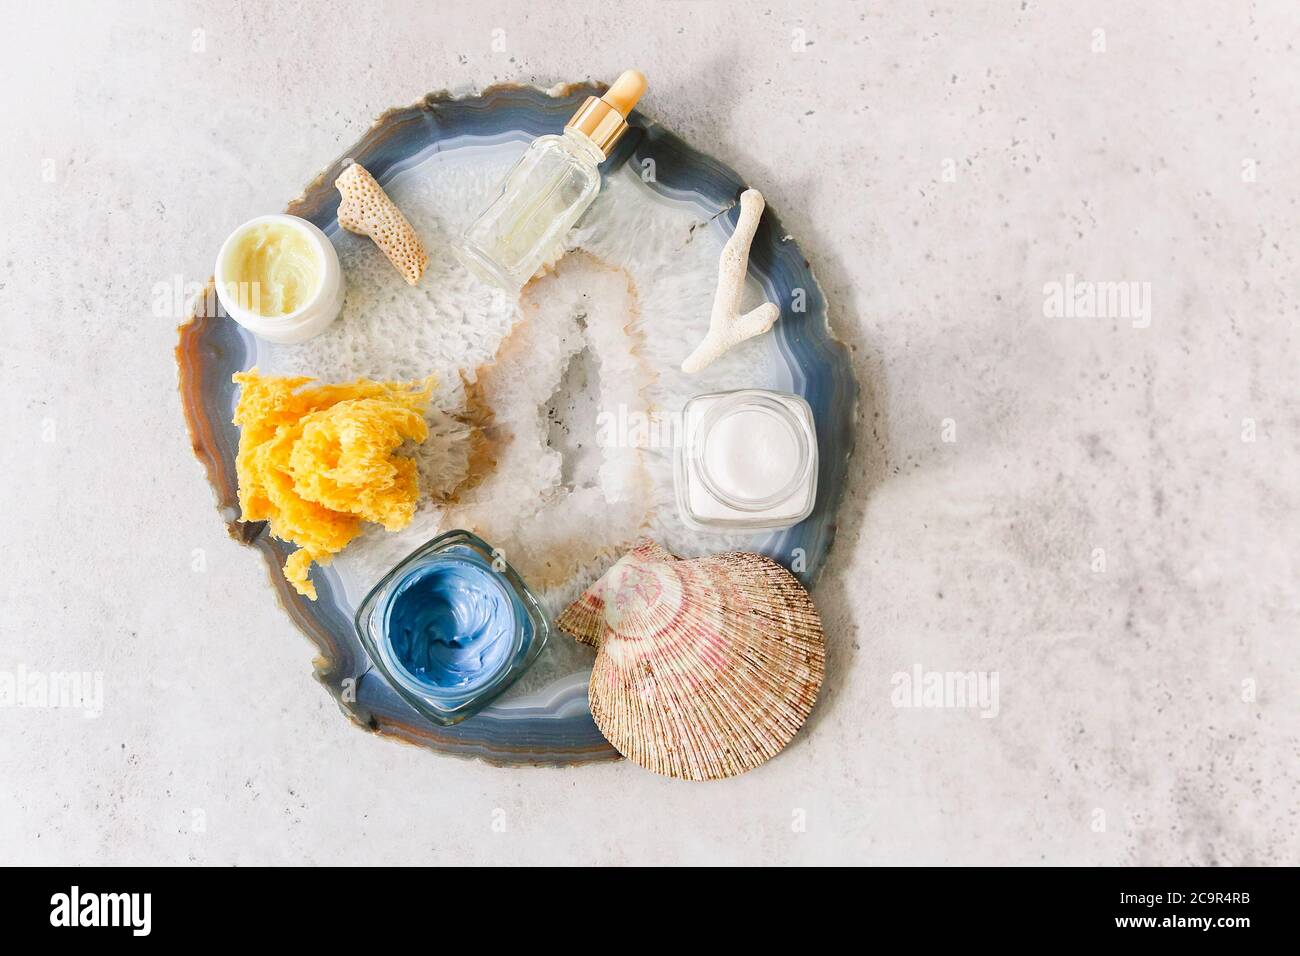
{"type": "Point", "coordinates": [1102, 510]}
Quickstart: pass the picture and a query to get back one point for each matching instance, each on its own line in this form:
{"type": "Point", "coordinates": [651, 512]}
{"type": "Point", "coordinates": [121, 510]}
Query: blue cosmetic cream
{"type": "Point", "coordinates": [451, 627]}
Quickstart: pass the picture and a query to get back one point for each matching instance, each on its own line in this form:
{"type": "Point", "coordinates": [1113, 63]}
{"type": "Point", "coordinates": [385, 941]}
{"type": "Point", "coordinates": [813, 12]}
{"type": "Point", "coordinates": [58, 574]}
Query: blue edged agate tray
{"type": "Point", "coordinates": [546, 720]}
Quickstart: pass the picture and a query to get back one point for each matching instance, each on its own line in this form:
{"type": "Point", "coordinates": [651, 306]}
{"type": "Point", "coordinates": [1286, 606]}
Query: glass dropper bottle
{"type": "Point", "coordinates": [546, 192]}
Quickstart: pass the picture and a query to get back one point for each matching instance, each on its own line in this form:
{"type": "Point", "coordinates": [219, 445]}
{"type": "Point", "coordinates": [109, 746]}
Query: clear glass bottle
{"type": "Point", "coordinates": [548, 190]}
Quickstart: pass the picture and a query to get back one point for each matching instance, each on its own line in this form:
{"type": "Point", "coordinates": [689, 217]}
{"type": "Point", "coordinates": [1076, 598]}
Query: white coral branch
{"type": "Point", "coordinates": [727, 327]}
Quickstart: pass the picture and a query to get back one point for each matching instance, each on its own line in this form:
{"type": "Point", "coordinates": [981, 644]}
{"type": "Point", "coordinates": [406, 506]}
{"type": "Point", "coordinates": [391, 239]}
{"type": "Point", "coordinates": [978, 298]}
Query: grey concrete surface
{"type": "Point", "coordinates": [1100, 509]}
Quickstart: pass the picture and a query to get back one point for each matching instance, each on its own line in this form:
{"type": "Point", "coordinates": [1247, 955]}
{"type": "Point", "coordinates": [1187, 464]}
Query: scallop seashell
{"type": "Point", "coordinates": [705, 668]}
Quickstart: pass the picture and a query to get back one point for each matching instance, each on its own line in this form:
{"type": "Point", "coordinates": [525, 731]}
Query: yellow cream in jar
{"type": "Point", "coordinates": [276, 267]}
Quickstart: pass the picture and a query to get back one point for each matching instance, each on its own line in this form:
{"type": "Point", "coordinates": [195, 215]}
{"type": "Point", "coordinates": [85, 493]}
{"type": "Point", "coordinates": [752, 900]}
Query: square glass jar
{"type": "Point", "coordinates": [747, 461]}
{"type": "Point", "coordinates": [500, 610]}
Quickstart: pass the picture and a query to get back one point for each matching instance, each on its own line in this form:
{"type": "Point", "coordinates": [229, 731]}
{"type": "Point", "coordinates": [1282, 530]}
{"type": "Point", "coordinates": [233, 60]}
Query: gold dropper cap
{"type": "Point", "coordinates": [603, 119]}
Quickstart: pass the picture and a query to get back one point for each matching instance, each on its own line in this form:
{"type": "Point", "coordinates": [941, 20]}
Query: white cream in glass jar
{"type": "Point", "coordinates": [747, 461]}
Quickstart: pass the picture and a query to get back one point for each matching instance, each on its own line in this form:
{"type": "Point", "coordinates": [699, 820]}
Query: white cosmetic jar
{"type": "Point", "coordinates": [747, 461]}
{"type": "Point", "coordinates": [321, 307]}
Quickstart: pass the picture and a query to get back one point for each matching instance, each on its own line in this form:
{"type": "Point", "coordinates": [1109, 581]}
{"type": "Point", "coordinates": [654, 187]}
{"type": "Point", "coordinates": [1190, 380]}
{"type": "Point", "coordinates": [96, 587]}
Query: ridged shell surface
{"type": "Point", "coordinates": [705, 668]}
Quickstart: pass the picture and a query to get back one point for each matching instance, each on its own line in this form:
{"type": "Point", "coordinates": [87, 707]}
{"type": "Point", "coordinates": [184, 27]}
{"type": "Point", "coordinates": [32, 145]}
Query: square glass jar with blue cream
{"type": "Point", "coordinates": [451, 627]}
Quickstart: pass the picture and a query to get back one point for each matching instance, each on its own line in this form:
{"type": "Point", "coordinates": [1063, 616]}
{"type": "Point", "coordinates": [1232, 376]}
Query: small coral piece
{"type": "Point", "coordinates": [317, 461]}
{"type": "Point", "coordinates": [727, 327]}
{"type": "Point", "coordinates": [366, 209]}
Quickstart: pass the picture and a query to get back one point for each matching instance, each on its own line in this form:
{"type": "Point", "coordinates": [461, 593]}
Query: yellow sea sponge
{"type": "Point", "coordinates": [317, 460]}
